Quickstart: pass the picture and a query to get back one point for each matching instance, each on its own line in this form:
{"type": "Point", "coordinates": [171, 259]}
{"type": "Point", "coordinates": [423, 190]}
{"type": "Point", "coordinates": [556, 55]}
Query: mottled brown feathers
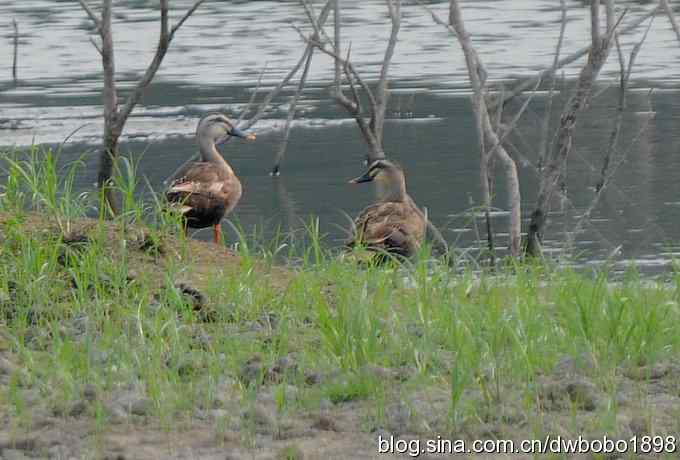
{"type": "Point", "coordinates": [395, 227]}
{"type": "Point", "coordinates": [209, 191]}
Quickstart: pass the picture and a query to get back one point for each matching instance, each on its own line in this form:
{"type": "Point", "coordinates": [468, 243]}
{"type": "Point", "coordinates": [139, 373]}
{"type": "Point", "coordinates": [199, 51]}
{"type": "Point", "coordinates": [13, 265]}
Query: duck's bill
{"type": "Point", "coordinates": [240, 133]}
{"type": "Point", "coordinates": [361, 179]}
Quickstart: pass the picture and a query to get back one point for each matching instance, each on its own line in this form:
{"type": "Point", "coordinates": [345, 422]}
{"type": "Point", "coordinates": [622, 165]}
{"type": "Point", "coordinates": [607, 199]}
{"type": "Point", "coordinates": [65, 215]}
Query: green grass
{"type": "Point", "coordinates": [97, 315]}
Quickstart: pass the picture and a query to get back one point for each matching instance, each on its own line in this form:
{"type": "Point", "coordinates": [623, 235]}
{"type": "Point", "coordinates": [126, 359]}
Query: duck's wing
{"type": "Point", "coordinates": [202, 186]}
{"type": "Point", "coordinates": [195, 178]}
{"type": "Point", "coordinates": [391, 226]}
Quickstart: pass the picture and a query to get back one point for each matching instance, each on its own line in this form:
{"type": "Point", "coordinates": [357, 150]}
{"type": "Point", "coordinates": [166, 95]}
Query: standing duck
{"type": "Point", "coordinates": [392, 224]}
{"type": "Point", "coordinates": [207, 190]}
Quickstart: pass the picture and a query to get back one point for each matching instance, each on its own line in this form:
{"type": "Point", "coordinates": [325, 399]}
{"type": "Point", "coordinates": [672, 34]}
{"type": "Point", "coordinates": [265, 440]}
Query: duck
{"type": "Point", "coordinates": [393, 224]}
{"type": "Point", "coordinates": [206, 191]}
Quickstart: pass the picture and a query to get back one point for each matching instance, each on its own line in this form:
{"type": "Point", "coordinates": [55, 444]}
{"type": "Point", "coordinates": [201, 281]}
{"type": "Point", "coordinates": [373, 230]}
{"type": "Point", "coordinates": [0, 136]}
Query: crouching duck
{"type": "Point", "coordinates": [207, 190]}
{"type": "Point", "coordinates": [393, 224]}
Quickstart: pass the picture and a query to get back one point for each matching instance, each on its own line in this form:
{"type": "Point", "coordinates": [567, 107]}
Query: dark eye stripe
{"type": "Point", "coordinates": [378, 165]}
{"type": "Point", "coordinates": [221, 119]}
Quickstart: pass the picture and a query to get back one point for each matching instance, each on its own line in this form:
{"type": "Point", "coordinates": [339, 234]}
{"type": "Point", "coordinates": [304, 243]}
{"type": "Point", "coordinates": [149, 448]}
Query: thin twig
{"type": "Point", "coordinates": [382, 94]}
{"type": "Point", "coordinates": [671, 17]}
{"type": "Point", "coordinates": [186, 16]}
{"type": "Point", "coordinates": [274, 92]}
{"type": "Point", "coordinates": [97, 47]}
{"type": "Point", "coordinates": [612, 168]}
{"type": "Point", "coordinates": [337, 30]}
{"type": "Point", "coordinates": [355, 94]}
{"type": "Point", "coordinates": [16, 51]}
{"type": "Point", "coordinates": [548, 111]}
{"type": "Point", "coordinates": [319, 32]}
{"type": "Point", "coordinates": [625, 73]}
{"type": "Point", "coordinates": [72, 133]}
{"type": "Point", "coordinates": [508, 128]}
{"type": "Point", "coordinates": [253, 96]}
{"type": "Point", "coordinates": [161, 50]}
{"type": "Point", "coordinates": [90, 13]}
{"type": "Point", "coordinates": [548, 72]}
{"type": "Point", "coordinates": [276, 170]}
{"type": "Point", "coordinates": [436, 18]}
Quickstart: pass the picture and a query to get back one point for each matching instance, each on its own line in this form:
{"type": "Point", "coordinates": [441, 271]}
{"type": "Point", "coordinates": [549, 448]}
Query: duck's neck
{"type": "Point", "coordinates": [392, 191]}
{"type": "Point", "coordinates": [210, 154]}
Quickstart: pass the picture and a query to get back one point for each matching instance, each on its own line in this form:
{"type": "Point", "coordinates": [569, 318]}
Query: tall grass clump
{"type": "Point", "coordinates": [36, 180]}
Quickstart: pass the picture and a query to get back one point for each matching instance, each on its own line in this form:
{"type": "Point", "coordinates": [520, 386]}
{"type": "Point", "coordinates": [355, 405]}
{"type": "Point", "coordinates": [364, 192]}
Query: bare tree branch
{"type": "Point", "coordinates": [186, 16]}
{"type": "Point", "coordinates": [553, 173]}
{"type": "Point", "coordinates": [253, 96]}
{"type": "Point", "coordinates": [382, 94]}
{"type": "Point", "coordinates": [612, 22]}
{"type": "Point", "coordinates": [112, 129]}
{"type": "Point", "coordinates": [15, 59]}
{"type": "Point", "coordinates": [436, 19]}
{"type": "Point", "coordinates": [671, 17]}
{"type": "Point", "coordinates": [90, 13]}
{"type": "Point", "coordinates": [508, 128]}
{"type": "Point", "coordinates": [355, 94]}
{"type": "Point", "coordinates": [309, 53]}
{"type": "Point", "coordinates": [96, 46]}
{"type": "Point", "coordinates": [377, 102]}
{"type": "Point", "coordinates": [319, 32]}
{"type": "Point", "coordinates": [337, 47]}
{"type": "Point", "coordinates": [265, 103]}
{"type": "Point", "coordinates": [161, 50]}
{"type": "Point", "coordinates": [353, 108]}
{"type": "Point", "coordinates": [115, 116]}
{"type": "Point", "coordinates": [276, 170]}
{"type": "Point", "coordinates": [595, 22]}
{"type": "Point", "coordinates": [477, 75]}
{"type": "Point", "coordinates": [623, 89]}
{"type": "Point", "coordinates": [548, 72]}
{"type": "Point", "coordinates": [548, 111]}
{"type": "Point", "coordinates": [608, 171]}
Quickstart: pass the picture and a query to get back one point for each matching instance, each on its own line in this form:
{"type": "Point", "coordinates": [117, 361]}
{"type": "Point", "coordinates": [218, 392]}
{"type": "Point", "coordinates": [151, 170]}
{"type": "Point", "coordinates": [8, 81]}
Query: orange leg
{"type": "Point", "coordinates": [217, 234]}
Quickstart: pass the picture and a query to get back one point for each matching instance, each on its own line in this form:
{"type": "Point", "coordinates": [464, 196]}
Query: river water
{"type": "Point", "coordinates": [217, 57]}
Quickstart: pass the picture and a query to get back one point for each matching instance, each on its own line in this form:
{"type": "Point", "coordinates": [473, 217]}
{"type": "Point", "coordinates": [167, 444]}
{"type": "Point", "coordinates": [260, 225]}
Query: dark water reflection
{"type": "Point", "coordinates": [430, 129]}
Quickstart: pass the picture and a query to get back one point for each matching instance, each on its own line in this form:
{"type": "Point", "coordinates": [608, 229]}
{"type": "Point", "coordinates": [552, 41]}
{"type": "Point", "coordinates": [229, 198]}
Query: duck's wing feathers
{"type": "Point", "coordinates": [391, 226]}
{"type": "Point", "coordinates": [201, 186]}
{"type": "Point", "coordinates": [197, 177]}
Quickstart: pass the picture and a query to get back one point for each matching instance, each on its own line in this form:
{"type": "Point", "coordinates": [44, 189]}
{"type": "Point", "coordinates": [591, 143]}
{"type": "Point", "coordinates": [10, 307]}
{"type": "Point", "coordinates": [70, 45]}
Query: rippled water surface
{"type": "Point", "coordinates": [216, 59]}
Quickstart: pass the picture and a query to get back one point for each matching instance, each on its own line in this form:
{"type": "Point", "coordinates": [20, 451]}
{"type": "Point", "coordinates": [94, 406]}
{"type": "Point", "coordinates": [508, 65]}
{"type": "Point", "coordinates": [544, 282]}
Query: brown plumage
{"type": "Point", "coordinates": [393, 224]}
{"type": "Point", "coordinates": [207, 190]}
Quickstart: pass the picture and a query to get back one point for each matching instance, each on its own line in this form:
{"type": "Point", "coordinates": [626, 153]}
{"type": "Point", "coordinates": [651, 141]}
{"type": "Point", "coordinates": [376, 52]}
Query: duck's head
{"type": "Point", "coordinates": [381, 171]}
{"type": "Point", "coordinates": [388, 177]}
{"type": "Point", "coordinates": [218, 128]}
